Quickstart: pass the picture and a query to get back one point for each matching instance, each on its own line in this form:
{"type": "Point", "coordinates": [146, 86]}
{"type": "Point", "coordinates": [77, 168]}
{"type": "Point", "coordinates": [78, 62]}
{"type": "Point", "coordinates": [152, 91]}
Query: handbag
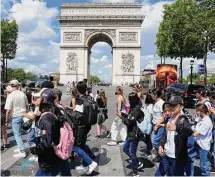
{"type": "Point", "coordinates": [145, 126]}
{"type": "Point", "coordinates": [27, 123]}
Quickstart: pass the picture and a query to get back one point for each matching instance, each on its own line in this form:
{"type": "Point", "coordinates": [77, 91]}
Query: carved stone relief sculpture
{"type": "Point", "coordinates": [128, 37]}
{"type": "Point", "coordinates": [72, 36]}
{"type": "Point", "coordinates": [127, 62]}
{"type": "Point", "coordinates": [72, 62]}
{"type": "Point", "coordinates": [111, 32]}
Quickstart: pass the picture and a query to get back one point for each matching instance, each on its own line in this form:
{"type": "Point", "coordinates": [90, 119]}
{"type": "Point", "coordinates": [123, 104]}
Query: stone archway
{"type": "Point", "coordinates": [82, 25]}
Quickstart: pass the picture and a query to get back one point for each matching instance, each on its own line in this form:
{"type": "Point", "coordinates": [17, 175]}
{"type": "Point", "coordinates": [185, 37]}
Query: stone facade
{"type": "Point", "coordinates": [82, 25]}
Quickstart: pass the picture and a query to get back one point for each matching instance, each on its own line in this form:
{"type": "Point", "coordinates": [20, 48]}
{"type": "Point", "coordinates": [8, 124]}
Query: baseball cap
{"type": "Point", "coordinates": [14, 83]}
{"type": "Point", "coordinates": [48, 95]}
{"type": "Point", "coordinates": [174, 100]}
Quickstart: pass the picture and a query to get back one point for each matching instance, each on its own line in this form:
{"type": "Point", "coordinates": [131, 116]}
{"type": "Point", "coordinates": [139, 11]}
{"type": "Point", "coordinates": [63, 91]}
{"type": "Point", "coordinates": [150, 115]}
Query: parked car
{"type": "Point", "coordinates": [186, 91]}
{"type": "Point", "coordinates": [103, 84]}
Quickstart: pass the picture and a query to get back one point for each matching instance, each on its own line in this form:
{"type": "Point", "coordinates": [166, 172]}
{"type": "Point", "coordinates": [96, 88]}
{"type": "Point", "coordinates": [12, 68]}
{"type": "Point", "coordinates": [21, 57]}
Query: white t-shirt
{"type": "Point", "coordinates": [169, 147]}
{"type": "Point", "coordinates": [147, 109]}
{"type": "Point", "coordinates": [157, 111]}
{"type": "Point", "coordinates": [17, 102]}
{"type": "Point", "coordinates": [204, 128]}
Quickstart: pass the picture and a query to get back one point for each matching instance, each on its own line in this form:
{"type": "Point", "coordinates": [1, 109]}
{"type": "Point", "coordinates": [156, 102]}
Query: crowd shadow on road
{"type": "Point", "coordinates": [102, 158]}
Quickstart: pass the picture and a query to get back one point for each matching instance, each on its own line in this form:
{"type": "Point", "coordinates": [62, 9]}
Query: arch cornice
{"type": "Point", "coordinates": [109, 33]}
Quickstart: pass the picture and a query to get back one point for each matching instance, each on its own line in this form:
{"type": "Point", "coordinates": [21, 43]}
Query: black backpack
{"type": "Point", "coordinates": [86, 111]}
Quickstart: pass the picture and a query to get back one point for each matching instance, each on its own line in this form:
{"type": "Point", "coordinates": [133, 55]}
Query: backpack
{"type": "Point", "coordinates": [145, 126]}
{"type": "Point", "coordinates": [64, 149]}
{"type": "Point", "coordinates": [87, 113]}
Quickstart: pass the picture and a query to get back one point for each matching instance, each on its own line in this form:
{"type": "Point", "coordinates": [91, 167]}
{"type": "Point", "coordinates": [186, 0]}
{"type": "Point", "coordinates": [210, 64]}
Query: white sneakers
{"type": "Point", "coordinates": [87, 170]}
{"type": "Point", "coordinates": [82, 169]}
{"type": "Point", "coordinates": [20, 154]}
{"type": "Point", "coordinates": [92, 167]}
{"type": "Point", "coordinates": [16, 150]}
{"type": "Point", "coordinates": [112, 143]}
{"type": "Point", "coordinates": [33, 158]}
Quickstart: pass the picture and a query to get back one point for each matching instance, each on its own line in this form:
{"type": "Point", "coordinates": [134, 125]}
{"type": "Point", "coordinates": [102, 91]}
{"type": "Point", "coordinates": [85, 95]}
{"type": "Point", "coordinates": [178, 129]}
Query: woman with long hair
{"type": "Point", "coordinates": [139, 91]}
{"type": "Point", "coordinates": [75, 95]}
{"type": "Point", "coordinates": [102, 116]}
{"type": "Point", "coordinates": [118, 127]}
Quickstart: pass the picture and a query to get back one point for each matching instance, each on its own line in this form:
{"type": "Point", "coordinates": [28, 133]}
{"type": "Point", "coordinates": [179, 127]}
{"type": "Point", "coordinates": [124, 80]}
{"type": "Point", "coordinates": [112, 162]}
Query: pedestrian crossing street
{"type": "Point", "coordinates": [111, 161]}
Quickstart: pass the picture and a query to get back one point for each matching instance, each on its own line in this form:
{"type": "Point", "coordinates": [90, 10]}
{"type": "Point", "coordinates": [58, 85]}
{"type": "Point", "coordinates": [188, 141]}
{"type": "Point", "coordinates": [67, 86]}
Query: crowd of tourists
{"type": "Point", "coordinates": [173, 138]}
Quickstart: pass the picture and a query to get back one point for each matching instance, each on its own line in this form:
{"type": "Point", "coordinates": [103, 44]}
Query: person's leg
{"type": "Point", "coordinates": [204, 162]}
{"type": "Point", "coordinates": [47, 173]}
{"type": "Point", "coordinates": [82, 154]}
{"type": "Point", "coordinates": [17, 127]}
{"type": "Point", "coordinates": [31, 137]}
{"type": "Point", "coordinates": [163, 167]}
{"type": "Point", "coordinates": [133, 156]}
{"type": "Point", "coordinates": [172, 167]}
{"type": "Point", "coordinates": [214, 148]}
{"type": "Point", "coordinates": [123, 131]}
{"type": "Point", "coordinates": [4, 134]}
{"type": "Point", "coordinates": [64, 168]}
{"type": "Point", "coordinates": [98, 130]}
{"type": "Point", "coordinates": [114, 131]}
{"type": "Point", "coordinates": [156, 138]}
{"type": "Point", "coordinates": [87, 150]}
{"type": "Point", "coordinates": [126, 147]}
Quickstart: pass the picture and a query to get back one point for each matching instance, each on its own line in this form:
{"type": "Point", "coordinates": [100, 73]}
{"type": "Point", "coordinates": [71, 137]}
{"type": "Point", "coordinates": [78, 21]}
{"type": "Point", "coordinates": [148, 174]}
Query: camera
{"type": "Point", "coordinates": [116, 93]}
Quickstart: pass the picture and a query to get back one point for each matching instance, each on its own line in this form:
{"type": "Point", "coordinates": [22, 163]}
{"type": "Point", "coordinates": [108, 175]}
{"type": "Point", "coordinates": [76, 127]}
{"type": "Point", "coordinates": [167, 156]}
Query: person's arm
{"type": "Point", "coordinates": [185, 130]}
{"type": "Point", "coordinates": [45, 144]}
{"type": "Point", "coordinates": [195, 134]}
{"type": "Point", "coordinates": [73, 103]}
{"type": "Point", "coordinates": [119, 106]}
{"type": "Point", "coordinates": [8, 107]}
{"type": "Point", "coordinates": [30, 116]}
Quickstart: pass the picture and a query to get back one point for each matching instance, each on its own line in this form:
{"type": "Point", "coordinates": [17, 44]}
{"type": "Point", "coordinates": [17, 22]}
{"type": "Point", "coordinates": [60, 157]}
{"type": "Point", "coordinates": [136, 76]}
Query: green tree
{"type": "Point", "coordinates": [206, 28]}
{"type": "Point", "coordinates": [9, 33]}
{"type": "Point", "coordinates": [94, 79]}
{"type": "Point", "coordinates": [178, 37]}
{"type": "Point", "coordinates": [20, 75]}
{"type": "Point", "coordinates": [196, 78]}
{"type": "Point", "coordinates": [211, 80]}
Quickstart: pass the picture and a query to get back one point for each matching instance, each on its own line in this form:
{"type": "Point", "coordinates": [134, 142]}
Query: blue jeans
{"type": "Point", "coordinates": [17, 129]}
{"type": "Point", "coordinates": [189, 166]}
{"type": "Point", "coordinates": [31, 136]}
{"type": "Point", "coordinates": [130, 148]}
{"type": "Point", "coordinates": [204, 160]}
{"type": "Point", "coordinates": [81, 153]}
{"type": "Point", "coordinates": [167, 167]}
{"type": "Point", "coordinates": [62, 168]}
{"type": "Point", "coordinates": [156, 138]}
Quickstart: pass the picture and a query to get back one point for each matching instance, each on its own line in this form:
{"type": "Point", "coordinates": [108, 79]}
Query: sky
{"type": "Point", "coordinates": [39, 36]}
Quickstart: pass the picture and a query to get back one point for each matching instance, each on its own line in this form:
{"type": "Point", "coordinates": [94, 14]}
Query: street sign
{"type": "Point", "coordinates": [201, 69]}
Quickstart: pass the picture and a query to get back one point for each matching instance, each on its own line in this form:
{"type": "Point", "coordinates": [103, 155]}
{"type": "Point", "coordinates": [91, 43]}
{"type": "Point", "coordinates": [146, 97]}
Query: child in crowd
{"type": "Point", "coordinates": [173, 141]}
{"type": "Point", "coordinates": [203, 137]}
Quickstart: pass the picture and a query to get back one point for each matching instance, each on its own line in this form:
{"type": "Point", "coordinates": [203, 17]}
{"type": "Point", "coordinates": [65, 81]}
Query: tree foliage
{"type": "Point", "coordinates": [9, 33]}
{"type": "Point", "coordinates": [94, 79]}
{"type": "Point", "coordinates": [181, 32]}
{"type": "Point", "coordinates": [20, 75]}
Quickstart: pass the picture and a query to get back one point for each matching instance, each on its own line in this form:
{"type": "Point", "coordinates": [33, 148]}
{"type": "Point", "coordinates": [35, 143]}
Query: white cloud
{"type": "Point", "coordinates": [109, 66]}
{"type": "Point", "coordinates": [36, 46]}
{"type": "Point", "coordinates": [96, 60]}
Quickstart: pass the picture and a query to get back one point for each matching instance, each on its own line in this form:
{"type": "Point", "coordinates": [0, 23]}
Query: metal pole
{"type": "Point", "coordinates": [191, 74]}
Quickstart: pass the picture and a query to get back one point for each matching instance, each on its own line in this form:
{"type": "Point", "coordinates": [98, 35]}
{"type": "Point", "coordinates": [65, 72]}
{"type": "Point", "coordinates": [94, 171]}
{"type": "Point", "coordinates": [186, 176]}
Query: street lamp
{"type": "Point", "coordinates": [191, 71]}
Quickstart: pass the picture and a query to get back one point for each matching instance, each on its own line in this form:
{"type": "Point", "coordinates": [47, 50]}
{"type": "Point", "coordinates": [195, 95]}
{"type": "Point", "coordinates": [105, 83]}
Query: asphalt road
{"type": "Point", "coordinates": [112, 161]}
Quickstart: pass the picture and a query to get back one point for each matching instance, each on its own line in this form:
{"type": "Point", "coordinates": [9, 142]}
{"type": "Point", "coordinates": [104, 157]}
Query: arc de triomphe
{"type": "Point", "coordinates": [83, 25]}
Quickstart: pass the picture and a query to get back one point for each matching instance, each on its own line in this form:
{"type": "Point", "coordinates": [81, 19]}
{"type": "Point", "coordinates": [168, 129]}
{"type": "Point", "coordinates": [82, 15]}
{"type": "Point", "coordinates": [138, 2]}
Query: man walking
{"type": "Point", "coordinates": [16, 105]}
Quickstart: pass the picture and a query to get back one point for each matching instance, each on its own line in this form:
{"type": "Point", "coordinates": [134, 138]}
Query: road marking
{"type": "Point", "coordinates": [110, 161]}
